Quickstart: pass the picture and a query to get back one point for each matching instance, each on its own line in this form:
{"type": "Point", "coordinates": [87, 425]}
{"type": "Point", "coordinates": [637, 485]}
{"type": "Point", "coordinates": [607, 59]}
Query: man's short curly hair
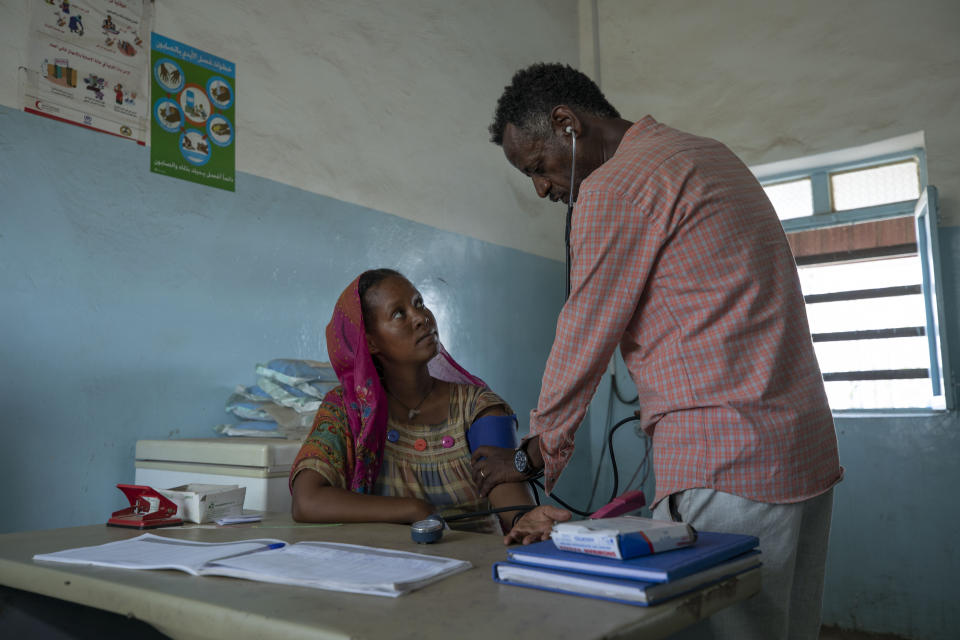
{"type": "Point", "coordinates": [533, 92]}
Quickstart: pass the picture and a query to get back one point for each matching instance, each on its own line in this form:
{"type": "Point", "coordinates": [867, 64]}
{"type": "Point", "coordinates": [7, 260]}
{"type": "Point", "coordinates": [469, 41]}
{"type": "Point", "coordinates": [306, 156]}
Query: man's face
{"type": "Point", "coordinates": [546, 161]}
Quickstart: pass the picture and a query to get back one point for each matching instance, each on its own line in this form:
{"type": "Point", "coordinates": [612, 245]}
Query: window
{"type": "Point", "coordinates": [858, 188]}
{"type": "Point", "coordinates": [863, 231]}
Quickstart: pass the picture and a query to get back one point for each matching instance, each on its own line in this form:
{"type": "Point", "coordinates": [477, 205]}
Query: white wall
{"type": "Point", "coordinates": [378, 103]}
{"type": "Point", "coordinates": [778, 80]}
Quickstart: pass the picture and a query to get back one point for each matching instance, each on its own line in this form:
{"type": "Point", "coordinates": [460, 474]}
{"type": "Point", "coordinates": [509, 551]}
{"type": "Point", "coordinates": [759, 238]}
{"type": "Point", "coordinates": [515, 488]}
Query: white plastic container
{"type": "Point", "coordinates": [261, 465]}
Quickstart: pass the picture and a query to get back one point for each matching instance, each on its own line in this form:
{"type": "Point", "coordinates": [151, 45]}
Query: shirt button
{"type": "Point", "coordinates": [447, 442]}
{"type": "Point", "coordinates": [393, 435]}
{"type": "Point", "coordinates": [420, 444]}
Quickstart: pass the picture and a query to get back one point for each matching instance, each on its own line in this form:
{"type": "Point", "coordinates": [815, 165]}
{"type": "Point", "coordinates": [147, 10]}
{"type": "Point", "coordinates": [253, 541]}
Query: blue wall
{"type": "Point", "coordinates": [133, 303]}
{"type": "Point", "coordinates": [893, 561]}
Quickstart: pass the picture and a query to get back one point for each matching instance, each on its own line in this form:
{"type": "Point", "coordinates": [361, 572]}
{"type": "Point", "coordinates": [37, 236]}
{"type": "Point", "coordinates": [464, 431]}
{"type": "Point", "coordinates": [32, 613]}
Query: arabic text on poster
{"type": "Point", "coordinates": [193, 106]}
{"type": "Point", "coordinates": [88, 63]}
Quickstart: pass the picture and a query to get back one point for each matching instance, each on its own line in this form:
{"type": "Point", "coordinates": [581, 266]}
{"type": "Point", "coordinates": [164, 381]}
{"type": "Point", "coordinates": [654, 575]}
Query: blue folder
{"type": "Point", "coordinates": [710, 549]}
{"type": "Point", "coordinates": [636, 592]}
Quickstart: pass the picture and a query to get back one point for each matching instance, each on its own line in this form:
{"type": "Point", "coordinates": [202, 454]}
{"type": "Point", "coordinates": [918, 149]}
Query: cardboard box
{"type": "Point", "coordinates": [206, 502]}
{"type": "Point", "coordinates": [623, 537]}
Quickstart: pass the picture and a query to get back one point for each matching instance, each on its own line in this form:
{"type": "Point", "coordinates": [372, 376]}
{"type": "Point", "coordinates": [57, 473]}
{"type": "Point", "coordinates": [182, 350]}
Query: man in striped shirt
{"type": "Point", "coordinates": [677, 256]}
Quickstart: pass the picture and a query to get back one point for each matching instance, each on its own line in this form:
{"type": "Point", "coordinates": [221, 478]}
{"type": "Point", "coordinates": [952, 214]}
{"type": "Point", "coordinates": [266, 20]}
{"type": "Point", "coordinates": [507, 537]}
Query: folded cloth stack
{"type": "Point", "coordinates": [284, 400]}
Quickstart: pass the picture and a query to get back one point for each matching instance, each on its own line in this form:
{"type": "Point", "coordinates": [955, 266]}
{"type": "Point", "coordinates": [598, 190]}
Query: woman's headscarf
{"type": "Point", "coordinates": [363, 397]}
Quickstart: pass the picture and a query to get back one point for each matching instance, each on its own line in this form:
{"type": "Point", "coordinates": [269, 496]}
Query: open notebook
{"type": "Point", "coordinates": [321, 565]}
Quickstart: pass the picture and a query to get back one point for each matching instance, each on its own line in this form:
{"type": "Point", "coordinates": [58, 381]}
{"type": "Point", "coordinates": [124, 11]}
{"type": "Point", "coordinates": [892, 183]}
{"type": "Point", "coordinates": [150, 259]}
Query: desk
{"type": "Point", "coordinates": [466, 605]}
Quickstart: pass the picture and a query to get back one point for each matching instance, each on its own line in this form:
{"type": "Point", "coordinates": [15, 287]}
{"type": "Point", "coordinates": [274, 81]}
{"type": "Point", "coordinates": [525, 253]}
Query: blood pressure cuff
{"type": "Point", "coordinates": [494, 431]}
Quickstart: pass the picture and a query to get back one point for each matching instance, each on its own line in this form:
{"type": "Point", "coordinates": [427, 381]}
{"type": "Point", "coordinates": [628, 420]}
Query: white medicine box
{"type": "Point", "coordinates": [260, 465]}
{"type": "Point", "coordinates": [205, 502]}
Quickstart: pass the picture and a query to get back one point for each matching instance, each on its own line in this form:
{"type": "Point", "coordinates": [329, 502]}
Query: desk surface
{"type": "Point", "coordinates": [466, 605]}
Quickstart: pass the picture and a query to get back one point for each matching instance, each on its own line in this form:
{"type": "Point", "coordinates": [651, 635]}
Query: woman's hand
{"type": "Point", "coordinates": [419, 509]}
{"type": "Point", "coordinates": [493, 466]}
{"type": "Point", "coordinates": [536, 524]}
{"type": "Point", "coordinates": [314, 500]}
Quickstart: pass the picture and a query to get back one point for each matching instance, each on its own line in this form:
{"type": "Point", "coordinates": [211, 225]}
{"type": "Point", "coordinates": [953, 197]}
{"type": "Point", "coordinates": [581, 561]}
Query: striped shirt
{"type": "Point", "coordinates": [430, 462]}
{"type": "Point", "coordinates": [678, 256]}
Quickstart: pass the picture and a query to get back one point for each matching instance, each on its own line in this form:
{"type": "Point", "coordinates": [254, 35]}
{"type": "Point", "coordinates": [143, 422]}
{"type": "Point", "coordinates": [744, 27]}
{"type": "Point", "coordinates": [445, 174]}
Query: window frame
{"type": "Point", "coordinates": [823, 214]}
{"type": "Point", "coordinates": [925, 214]}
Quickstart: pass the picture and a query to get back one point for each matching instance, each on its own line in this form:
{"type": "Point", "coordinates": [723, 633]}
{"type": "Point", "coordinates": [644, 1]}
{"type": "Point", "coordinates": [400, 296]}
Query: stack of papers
{"type": "Point", "coordinates": [321, 565]}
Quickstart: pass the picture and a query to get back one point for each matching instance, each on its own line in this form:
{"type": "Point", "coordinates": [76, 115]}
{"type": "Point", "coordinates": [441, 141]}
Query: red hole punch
{"type": "Point", "coordinates": [148, 509]}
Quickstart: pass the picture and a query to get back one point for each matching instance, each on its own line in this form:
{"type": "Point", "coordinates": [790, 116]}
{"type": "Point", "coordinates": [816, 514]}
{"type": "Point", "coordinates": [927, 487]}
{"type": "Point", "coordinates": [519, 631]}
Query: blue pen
{"type": "Point", "coordinates": [272, 545]}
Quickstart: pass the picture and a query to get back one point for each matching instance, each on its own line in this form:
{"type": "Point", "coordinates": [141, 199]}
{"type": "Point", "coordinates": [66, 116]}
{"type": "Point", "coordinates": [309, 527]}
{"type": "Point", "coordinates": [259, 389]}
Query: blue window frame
{"type": "Point", "coordinates": [876, 314]}
{"type": "Point", "coordinates": [928, 249]}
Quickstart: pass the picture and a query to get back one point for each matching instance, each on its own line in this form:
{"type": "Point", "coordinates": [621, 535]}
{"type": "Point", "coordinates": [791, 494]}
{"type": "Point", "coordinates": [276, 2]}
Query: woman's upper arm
{"type": "Point", "coordinates": [496, 410]}
{"type": "Point", "coordinates": [487, 403]}
{"type": "Point", "coordinates": [326, 449]}
{"type": "Point", "coordinates": [307, 479]}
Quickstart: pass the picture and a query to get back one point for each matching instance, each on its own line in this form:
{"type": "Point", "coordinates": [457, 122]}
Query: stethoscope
{"type": "Point", "coordinates": [430, 530]}
{"type": "Point", "coordinates": [566, 237]}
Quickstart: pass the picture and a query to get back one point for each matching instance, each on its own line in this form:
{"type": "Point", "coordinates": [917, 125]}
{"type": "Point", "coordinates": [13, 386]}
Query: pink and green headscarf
{"type": "Point", "coordinates": [363, 398]}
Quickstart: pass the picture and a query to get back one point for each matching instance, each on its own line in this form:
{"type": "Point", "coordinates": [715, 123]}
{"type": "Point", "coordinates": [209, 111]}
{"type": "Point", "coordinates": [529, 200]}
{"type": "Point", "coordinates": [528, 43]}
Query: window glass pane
{"type": "Point", "coordinates": [875, 185]}
{"type": "Point", "coordinates": [873, 355]}
{"type": "Point", "coordinates": [879, 394]}
{"type": "Point", "coordinates": [791, 199]}
{"type": "Point", "coordinates": [890, 272]}
{"type": "Point", "coordinates": [870, 313]}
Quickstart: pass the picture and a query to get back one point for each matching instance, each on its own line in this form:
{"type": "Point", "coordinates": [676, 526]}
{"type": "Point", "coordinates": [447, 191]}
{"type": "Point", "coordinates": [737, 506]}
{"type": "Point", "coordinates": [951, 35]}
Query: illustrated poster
{"type": "Point", "coordinates": [193, 107]}
{"type": "Point", "coordinates": [88, 64]}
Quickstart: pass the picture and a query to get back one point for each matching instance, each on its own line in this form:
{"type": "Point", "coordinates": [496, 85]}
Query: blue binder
{"type": "Point", "coordinates": [634, 592]}
{"type": "Point", "coordinates": [710, 549]}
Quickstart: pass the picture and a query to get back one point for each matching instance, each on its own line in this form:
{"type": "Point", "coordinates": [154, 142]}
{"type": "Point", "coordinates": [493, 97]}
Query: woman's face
{"type": "Point", "coordinates": [401, 329]}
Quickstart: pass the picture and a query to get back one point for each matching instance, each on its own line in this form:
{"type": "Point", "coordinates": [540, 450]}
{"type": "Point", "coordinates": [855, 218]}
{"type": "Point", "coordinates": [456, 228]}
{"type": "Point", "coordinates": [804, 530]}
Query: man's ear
{"type": "Point", "coordinates": [561, 117]}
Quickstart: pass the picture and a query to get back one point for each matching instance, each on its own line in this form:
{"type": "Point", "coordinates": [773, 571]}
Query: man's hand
{"type": "Point", "coordinates": [536, 524]}
{"type": "Point", "coordinates": [493, 466]}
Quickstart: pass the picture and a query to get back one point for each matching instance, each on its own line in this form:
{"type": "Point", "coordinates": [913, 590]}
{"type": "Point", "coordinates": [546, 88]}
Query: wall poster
{"type": "Point", "coordinates": [193, 107]}
{"type": "Point", "coordinates": [87, 64]}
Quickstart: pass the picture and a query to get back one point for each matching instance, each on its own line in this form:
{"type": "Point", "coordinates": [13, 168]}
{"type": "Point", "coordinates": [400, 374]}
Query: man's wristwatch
{"type": "Point", "coordinates": [521, 461]}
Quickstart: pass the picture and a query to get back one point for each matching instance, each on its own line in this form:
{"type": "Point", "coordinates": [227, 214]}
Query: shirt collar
{"type": "Point", "coordinates": [639, 128]}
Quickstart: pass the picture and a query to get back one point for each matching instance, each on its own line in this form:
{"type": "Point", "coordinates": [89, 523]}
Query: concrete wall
{"type": "Point", "coordinates": [133, 303]}
{"type": "Point", "coordinates": [384, 104]}
{"type": "Point", "coordinates": [780, 80]}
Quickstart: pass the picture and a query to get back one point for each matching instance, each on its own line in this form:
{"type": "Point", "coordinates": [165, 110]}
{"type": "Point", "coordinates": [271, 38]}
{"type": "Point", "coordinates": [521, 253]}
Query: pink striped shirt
{"type": "Point", "coordinates": [678, 256]}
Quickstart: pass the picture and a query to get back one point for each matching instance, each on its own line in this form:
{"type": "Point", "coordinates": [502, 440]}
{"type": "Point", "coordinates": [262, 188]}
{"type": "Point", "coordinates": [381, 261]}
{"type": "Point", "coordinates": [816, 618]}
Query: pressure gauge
{"type": "Point", "coordinates": [427, 531]}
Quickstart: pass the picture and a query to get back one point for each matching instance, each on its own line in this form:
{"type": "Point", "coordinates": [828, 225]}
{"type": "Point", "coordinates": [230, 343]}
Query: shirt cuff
{"type": "Point", "coordinates": [556, 450]}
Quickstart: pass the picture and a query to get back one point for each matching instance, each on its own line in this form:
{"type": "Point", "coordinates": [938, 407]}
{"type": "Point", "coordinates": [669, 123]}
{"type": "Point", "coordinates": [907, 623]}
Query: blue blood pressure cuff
{"type": "Point", "coordinates": [493, 431]}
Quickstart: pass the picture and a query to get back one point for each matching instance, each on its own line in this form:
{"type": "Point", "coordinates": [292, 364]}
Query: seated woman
{"type": "Point", "coordinates": [390, 443]}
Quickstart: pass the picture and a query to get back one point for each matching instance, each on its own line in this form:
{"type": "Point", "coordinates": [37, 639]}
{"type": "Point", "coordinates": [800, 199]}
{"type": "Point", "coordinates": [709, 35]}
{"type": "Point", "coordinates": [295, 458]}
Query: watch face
{"type": "Point", "coordinates": [520, 461]}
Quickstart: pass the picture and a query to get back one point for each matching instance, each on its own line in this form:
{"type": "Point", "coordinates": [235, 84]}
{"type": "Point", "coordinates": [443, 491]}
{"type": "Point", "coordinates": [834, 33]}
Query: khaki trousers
{"type": "Point", "coordinates": [793, 541]}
